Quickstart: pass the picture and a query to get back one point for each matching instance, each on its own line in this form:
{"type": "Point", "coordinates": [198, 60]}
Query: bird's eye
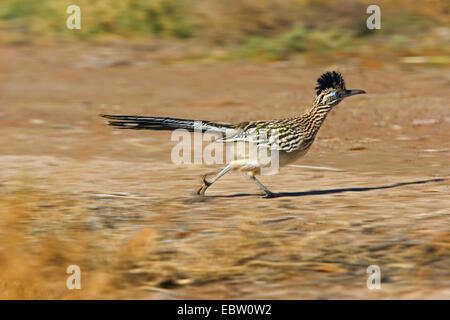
{"type": "Point", "coordinates": [331, 94]}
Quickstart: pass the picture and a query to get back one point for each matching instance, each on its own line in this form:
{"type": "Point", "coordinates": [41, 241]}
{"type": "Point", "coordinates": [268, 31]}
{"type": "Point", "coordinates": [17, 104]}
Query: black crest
{"type": "Point", "coordinates": [330, 80]}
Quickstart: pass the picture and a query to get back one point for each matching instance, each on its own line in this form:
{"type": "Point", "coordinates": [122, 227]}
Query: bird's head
{"type": "Point", "coordinates": [331, 89]}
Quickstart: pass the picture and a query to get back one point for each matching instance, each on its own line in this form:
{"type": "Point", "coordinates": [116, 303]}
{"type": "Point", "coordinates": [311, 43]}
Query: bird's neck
{"type": "Point", "coordinates": [314, 118]}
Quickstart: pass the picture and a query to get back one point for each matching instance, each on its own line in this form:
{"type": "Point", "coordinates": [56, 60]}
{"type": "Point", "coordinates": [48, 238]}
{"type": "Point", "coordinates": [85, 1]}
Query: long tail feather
{"type": "Point", "coordinates": [165, 123]}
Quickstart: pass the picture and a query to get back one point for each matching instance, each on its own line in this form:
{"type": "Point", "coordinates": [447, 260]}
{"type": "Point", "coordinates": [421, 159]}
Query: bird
{"type": "Point", "coordinates": [289, 139]}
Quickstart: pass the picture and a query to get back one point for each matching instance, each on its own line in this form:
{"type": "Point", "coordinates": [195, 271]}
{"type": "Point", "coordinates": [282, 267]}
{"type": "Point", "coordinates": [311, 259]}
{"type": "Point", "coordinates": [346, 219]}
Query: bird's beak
{"type": "Point", "coordinates": [349, 93]}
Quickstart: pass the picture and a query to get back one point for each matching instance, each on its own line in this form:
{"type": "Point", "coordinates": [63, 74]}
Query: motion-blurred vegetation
{"type": "Point", "coordinates": [268, 29]}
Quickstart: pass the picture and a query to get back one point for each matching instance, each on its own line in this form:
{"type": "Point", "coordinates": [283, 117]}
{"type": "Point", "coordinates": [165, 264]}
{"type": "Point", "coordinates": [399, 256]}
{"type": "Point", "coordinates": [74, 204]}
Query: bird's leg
{"type": "Point", "coordinates": [207, 184]}
{"type": "Point", "coordinates": [268, 193]}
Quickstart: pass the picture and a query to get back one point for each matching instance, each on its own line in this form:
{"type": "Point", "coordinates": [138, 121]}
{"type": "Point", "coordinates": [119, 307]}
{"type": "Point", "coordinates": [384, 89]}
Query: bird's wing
{"type": "Point", "coordinates": [277, 135]}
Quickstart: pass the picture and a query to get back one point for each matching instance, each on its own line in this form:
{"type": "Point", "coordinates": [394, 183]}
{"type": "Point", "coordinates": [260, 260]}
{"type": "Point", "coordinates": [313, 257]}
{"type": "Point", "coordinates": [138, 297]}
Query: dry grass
{"type": "Point", "coordinates": [34, 258]}
{"type": "Point", "coordinates": [130, 249]}
{"type": "Point", "coordinates": [216, 20]}
{"type": "Point", "coordinates": [233, 20]}
{"type": "Point", "coordinates": [256, 30]}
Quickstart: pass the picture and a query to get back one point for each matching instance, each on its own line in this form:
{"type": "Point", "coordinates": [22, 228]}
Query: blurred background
{"type": "Point", "coordinates": [74, 191]}
{"type": "Point", "coordinates": [232, 29]}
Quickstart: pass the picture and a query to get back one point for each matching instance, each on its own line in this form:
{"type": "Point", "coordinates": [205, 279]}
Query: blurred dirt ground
{"type": "Point", "coordinates": [74, 191]}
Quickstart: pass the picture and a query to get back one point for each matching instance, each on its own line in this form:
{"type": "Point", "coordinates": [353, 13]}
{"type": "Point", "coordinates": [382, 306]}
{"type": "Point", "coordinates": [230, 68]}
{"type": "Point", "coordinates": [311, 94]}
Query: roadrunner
{"type": "Point", "coordinates": [289, 138]}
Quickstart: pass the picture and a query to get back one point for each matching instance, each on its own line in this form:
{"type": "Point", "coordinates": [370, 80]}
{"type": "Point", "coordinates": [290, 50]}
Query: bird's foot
{"type": "Point", "coordinates": [202, 190]}
{"type": "Point", "coordinates": [206, 184]}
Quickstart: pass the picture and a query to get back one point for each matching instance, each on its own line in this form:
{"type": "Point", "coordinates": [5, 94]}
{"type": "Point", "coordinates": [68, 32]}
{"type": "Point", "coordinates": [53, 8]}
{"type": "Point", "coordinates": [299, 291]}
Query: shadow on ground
{"type": "Point", "coordinates": [330, 191]}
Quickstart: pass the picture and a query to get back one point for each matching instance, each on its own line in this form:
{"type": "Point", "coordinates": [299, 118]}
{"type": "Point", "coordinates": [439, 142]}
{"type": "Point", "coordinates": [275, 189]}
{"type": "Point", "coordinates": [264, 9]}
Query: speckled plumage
{"type": "Point", "coordinates": [291, 137]}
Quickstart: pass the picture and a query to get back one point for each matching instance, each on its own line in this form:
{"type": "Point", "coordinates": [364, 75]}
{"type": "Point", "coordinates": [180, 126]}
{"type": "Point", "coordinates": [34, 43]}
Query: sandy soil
{"type": "Point", "coordinates": [112, 201]}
